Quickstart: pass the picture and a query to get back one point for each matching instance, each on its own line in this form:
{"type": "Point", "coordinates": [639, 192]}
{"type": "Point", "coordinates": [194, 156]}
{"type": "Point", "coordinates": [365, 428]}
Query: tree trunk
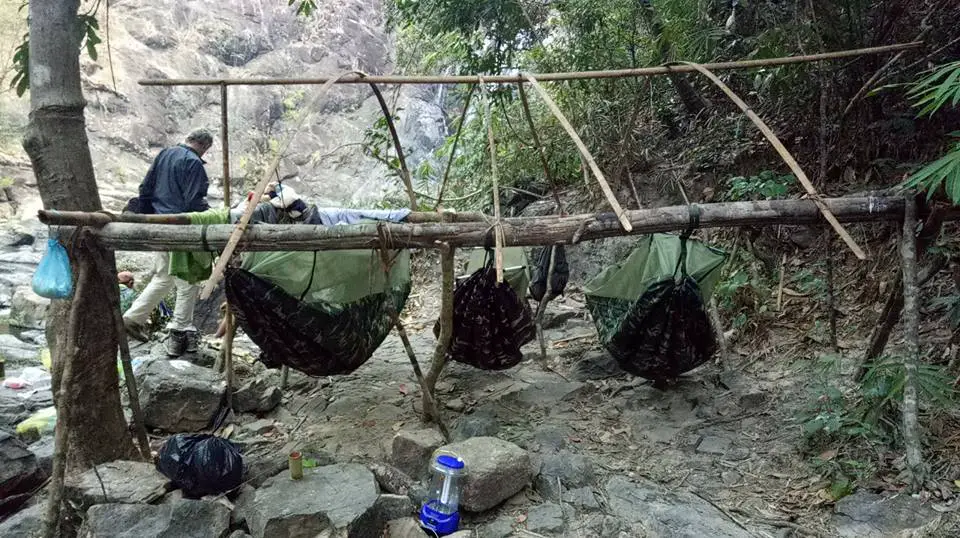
{"type": "Point", "coordinates": [911, 319]}
{"type": "Point", "coordinates": [56, 142]}
{"type": "Point", "coordinates": [692, 101]}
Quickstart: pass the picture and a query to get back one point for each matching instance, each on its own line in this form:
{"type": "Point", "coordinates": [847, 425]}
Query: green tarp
{"type": "Point", "coordinates": [516, 270]}
{"type": "Point", "coordinates": [334, 277]}
{"type": "Point", "coordinates": [655, 259]}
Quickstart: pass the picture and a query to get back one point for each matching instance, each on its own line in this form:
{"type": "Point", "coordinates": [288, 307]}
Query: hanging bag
{"type": "Point", "coordinates": [541, 271]}
{"type": "Point", "coordinates": [54, 278]}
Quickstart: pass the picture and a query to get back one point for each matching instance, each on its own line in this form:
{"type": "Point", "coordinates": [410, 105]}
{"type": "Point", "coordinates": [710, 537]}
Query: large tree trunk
{"type": "Point", "coordinates": [56, 142]}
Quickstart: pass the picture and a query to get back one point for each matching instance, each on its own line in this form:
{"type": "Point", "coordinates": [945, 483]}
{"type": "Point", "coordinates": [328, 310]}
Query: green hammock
{"type": "Point", "coordinates": [649, 309]}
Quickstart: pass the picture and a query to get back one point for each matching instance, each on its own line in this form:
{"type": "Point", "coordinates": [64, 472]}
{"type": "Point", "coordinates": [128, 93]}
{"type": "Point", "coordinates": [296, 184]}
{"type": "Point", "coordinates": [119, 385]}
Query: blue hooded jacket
{"type": "Point", "coordinates": [175, 183]}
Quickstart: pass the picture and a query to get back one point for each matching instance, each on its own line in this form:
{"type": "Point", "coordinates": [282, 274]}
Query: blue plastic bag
{"type": "Point", "coordinates": [54, 278]}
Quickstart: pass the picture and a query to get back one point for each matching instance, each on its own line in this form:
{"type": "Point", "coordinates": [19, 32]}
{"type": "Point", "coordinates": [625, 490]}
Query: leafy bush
{"type": "Point", "coordinates": [767, 185]}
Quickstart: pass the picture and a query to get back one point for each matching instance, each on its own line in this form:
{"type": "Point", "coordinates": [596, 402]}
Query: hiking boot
{"type": "Point", "coordinates": [135, 330]}
{"type": "Point", "coordinates": [193, 340]}
{"type": "Point", "coordinates": [177, 343]}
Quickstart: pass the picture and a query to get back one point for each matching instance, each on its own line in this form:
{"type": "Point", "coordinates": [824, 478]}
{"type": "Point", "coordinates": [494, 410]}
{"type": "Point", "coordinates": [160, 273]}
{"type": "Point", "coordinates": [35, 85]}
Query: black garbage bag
{"type": "Point", "coordinates": [558, 280]}
{"type": "Point", "coordinates": [201, 464]}
{"type": "Point", "coordinates": [490, 322]}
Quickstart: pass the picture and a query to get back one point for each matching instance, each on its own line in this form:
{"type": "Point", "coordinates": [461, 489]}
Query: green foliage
{"type": "Point", "coordinates": [305, 8]}
{"type": "Point", "coordinates": [21, 58]}
{"type": "Point", "coordinates": [868, 413]}
{"type": "Point", "coordinates": [767, 185]}
{"type": "Point", "coordinates": [933, 92]}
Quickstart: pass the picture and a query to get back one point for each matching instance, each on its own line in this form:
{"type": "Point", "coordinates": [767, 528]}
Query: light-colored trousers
{"type": "Point", "coordinates": [160, 285]}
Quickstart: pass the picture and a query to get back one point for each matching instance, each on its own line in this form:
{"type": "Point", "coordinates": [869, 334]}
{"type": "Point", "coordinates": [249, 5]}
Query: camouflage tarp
{"type": "Point", "coordinates": [650, 310]}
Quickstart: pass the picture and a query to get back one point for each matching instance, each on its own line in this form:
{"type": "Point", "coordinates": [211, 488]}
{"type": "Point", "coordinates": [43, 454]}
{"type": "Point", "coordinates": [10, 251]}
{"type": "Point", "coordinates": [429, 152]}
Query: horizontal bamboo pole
{"type": "Point", "coordinates": [522, 231]}
{"type": "Point", "coordinates": [513, 79]}
{"type": "Point", "coordinates": [99, 218]}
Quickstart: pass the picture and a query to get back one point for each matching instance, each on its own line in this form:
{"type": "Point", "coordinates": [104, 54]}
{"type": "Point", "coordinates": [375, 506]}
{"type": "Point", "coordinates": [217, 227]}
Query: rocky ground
{"type": "Point", "coordinates": [584, 450]}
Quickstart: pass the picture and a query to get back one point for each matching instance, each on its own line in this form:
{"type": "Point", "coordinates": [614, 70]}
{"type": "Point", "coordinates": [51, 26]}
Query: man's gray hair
{"type": "Point", "coordinates": [201, 136]}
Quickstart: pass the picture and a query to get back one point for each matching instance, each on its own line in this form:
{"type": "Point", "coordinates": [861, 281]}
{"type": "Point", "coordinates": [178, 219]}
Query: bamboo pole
{"type": "Point", "coordinates": [359, 78]}
{"type": "Point", "coordinates": [238, 230]}
{"type": "Point", "coordinates": [404, 171]}
{"type": "Point", "coordinates": [54, 217]}
{"type": "Point", "coordinates": [518, 231]}
{"type": "Point", "coordinates": [225, 137]}
{"type": "Point", "coordinates": [611, 198]}
{"type": "Point", "coordinates": [453, 148]}
{"type": "Point", "coordinates": [911, 318]}
{"type": "Point", "coordinates": [497, 223]}
{"type": "Point", "coordinates": [787, 158]}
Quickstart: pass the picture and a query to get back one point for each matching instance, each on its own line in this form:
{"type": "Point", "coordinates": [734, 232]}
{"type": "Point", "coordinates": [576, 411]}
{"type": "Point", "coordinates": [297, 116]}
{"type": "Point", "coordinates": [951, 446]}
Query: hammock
{"type": "Point", "coordinates": [649, 310]}
{"type": "Point", "coordinates": [490, 320]}
{"type": "Point", "coordinates": [321, 313]}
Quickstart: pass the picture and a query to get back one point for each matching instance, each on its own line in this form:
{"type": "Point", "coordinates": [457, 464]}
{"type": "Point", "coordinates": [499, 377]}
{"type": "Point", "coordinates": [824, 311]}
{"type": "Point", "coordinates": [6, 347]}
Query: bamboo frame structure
{"type": "Point", "coordinates": [362, 78]}
{"type": "Point", "coordinates": [517, 231]}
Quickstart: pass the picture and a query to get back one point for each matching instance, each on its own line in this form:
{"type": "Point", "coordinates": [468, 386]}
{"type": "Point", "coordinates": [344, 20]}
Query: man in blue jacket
{"type": "Point", "coordinates": [175, 183]}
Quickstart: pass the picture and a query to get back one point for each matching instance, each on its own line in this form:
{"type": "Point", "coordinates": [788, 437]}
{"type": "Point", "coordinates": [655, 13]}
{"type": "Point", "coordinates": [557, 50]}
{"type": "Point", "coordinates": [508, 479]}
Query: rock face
{"type": "Point", "coordinates": [123, 482]}
{"type": "Point", "coordinates": [340, 498]}
{"type": "Point", "coordinates": [496, 470]}
{"type": "Point", "coordinates": [27, 309]}
{"type": "Point", "coordinates": [19, 471]}
{"type": "Point", "coordinates": [412, 451]}
{"type": "Point", "coordinates": [181, 519]}
{"type": "Point", "coordinates": [178, 396]}
{"type": "Point", "coordinates": [27, 523]}
{"type": "Point", "coordinates": [256, 396]}
{"type": "Point", "coordinates": [572, 470]}
{"type": "Point", "coordinates": [660, 512]}
{"type": "Point", "coordinates": [869, 515]}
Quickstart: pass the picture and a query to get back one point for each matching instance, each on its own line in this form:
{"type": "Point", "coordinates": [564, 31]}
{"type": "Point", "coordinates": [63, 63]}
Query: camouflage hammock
{"type": "Point", "coordinates": [649, 310]}
{"type": "Point", "coordinates": [321, 313]}
{"type": "Point", "coordinates": [491, 322]}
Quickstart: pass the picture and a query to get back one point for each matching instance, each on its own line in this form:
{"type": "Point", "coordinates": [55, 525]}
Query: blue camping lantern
{"type": "Point", "coordinates": [440, 514]}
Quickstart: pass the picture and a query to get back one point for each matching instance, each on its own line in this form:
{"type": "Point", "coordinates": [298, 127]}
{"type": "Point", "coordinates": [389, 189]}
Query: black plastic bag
{"type": "Point", "coordinates": [558, 280]}
{"type": "Point", "coordinates": [201, 464]}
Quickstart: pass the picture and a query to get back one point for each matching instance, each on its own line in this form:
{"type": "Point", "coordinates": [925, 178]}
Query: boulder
{"type": "Point", "coordinates": [390, 507]}
{"type": "Point", "coordinates": [27, 309]}
{"type": "Point", "coordinates": [16, 351]}
{"type": "Point", "coordinates": [663, 512]}
{"type": "Point", "coordinates": [19, 471]}
{"type": "Point", "coordinates": [572, 470]}
{"type": "Point", "coordinates": [256, 396]}
{"type": "Point", "coordinates": [496, 471]}
{"type": "Point", "coordinates": [412, 450]}
{"type": "Point", "coordinates": [27, 523]}
{"type": "Point", "coordinates": [178, 396]}
{"type": "Point", "coordinates": [181, 519]}
{"type": "Point", "coordinates": [870, 515]}
{"type": "Point", "coordinates": [502, 527]}
{"type": "Point", "coordinates": [123, 482]}
{"type": "Point", "coordinates": [43, 450]}
{"type": "Point", "coordinates": [339, 498]}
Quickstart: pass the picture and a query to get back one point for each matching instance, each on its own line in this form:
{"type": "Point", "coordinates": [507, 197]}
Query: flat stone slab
{"type": "Point", "coordinates": [123, 482]}
{"type": "Point", "coordinates": [714, 445]}
{"type": "Point", "coordinates": [179, 519]}
{"type": "Point", "coordinates": [663, 513]}
{"type": "Point", "coordinates": [866, 514]}
{"type": "Point", "coordinates": [340, 498]}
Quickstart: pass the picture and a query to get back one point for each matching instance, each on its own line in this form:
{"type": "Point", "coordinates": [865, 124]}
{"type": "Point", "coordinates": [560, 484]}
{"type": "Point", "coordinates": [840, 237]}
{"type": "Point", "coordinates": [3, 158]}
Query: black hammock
{"type": "Point", "coordinates": [490, 322]}
{"type": "Point", "coordinates": [663, 330]}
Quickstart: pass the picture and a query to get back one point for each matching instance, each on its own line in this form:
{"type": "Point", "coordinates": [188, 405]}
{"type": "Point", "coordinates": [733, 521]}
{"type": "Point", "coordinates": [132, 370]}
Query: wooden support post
{"type": "Point", "coordinates": [284, 376]}
{"type": "Point", "coordinates": [911, 317]}
{"type": "Point", "coordinates": [228, 354]}
{"type": "Point", "coordinates": [225, 138]}
{"type": "Point", "coordinates": [446, 327]}
{"type": "Point", "coordinates": [129, 379]}
{"type": "Point", "coordinates": [548, 295]}
{"type": "Point", "coordinates": [61, 433]}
